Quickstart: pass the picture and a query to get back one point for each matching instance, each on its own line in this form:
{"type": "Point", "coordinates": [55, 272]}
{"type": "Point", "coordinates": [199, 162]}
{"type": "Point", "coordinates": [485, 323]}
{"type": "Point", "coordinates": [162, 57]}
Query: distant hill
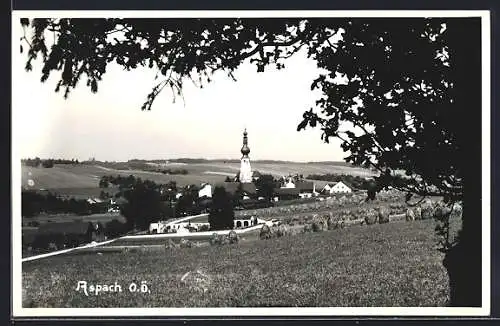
{"type": "Point", "coordinates": [233, 160]}
{"type": "Point", "coordinates": [76, 177]}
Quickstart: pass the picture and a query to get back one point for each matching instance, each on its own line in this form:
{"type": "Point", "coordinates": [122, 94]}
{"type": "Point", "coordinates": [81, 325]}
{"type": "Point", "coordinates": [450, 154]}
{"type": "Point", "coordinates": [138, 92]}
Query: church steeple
{"type": "Point", "coordinates": [245, 169]}
{"type": "Point", "coordinates": [245, 150]}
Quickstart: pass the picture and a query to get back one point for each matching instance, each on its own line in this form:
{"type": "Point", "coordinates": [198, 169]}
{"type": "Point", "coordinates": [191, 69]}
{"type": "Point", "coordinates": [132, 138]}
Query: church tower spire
{"type": "Point", "coordinates": [245, 169]}
{"type": "Point", "coordinates": [245, 150]}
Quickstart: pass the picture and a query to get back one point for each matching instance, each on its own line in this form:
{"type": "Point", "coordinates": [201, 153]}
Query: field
{"type": "Point", "coordinates": [393, 264]}
{"type": "Point", "coordinates": [83, 179]}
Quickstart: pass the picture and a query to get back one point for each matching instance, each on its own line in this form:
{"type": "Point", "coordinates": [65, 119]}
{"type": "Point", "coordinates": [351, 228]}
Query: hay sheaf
{"type": "Point", "coordinates": [171, 244]}
{"type": "Point", "coordinates": [427, 210]}
{"type": "Point", "coordinates": [383, 215]}
{"type": "Point", "coordinates": [410, 215]}
{"type": "Point", "coordinates": [219, 239]}
{"type": "Point", "coordinates": [185, 243]}
{"type": "Point", "coordinates": [215, 239]}
{"type": "Point", "coordinates": [371, 216]}
{"type": "Point", "coordinates": [319, 224]}
{"type": "Point", "coordinates": [307, 228]}
{"type": "Point", "coordinates": [233, 237]}
{"type": "Point", "coordinates": [265, 232]}
{"type": "Point", "coordinates": [441, 211]}
{"type": "Point", "coordinates": [280, 230]}
{"type": "Point", "coordinates": [333, 223]}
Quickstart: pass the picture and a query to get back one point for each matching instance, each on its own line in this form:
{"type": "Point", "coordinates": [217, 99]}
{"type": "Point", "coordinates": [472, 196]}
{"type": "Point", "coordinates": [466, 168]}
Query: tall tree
{"type": "Point", "coordinates": [265, 186]}
{"type": "Point", "coordinates": [405, 87]}
{"type": "Point", "coordinates": [143, 205]}
{"type": "Point", "coordinates": [221, 215]}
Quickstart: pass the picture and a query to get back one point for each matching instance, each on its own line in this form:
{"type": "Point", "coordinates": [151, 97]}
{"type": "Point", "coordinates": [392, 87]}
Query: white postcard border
{"type": "Point", "coordinates": [19, 311]}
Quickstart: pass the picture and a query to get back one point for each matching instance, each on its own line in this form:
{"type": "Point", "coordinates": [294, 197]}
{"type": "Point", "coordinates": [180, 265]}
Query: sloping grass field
{"type": "Point", "coordinates": [393, 264]}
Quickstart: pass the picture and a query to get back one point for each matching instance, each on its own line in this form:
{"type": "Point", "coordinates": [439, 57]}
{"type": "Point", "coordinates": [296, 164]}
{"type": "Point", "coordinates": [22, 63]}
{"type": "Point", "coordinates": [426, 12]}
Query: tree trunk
{"type": "Point", "coordinates": [464, 262]}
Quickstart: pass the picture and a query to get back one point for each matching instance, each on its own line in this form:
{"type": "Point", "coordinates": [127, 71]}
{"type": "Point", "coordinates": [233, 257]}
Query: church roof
{"type": "Point", "coordinates": [287, 191]}
{"type": "Point", "coordinates": [304, 185]}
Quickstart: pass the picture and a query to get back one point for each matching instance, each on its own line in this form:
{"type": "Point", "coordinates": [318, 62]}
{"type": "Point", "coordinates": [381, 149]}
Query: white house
{"type": "Point", "coordinates": [336, 188]}
{"type": "Point", "coordinates": [205, 191]}
{"type": "Point", "coordinates": [307, 189]}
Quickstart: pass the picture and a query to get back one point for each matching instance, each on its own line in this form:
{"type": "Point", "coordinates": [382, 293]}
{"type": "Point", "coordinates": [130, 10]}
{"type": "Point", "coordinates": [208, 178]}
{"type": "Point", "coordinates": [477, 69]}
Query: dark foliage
{"type": "Point", "coordinates": [143, 204]}
{"type": "Point", "coordinates": [221, 216]}
{"type": "Point", "coordinates": [36, 162]}
{"type": "Point", "coordinates": [34, 203]}
{"type": "Point", "coordinates": [265, 185]}
{"type": "Point", "coordinates": [114, 229]}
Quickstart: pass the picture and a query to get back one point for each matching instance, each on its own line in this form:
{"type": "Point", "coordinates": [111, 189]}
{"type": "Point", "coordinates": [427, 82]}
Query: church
{"type": "Point", "coordinates": [243, 181]}
{"type": "Point", "coordinates": [245, 168]}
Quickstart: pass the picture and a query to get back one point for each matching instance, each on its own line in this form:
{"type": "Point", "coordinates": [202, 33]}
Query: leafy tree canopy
{"type": "Point", "coordinates": [395, 82]}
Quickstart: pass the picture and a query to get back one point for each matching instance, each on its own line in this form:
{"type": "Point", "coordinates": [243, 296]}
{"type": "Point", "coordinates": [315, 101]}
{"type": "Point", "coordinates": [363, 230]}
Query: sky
{"type": "Point", "coordinates": [110, 125]}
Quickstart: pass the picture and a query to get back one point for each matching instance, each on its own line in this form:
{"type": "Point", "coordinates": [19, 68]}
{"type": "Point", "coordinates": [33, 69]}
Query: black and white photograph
{"type": "Point", "coordinates": [251, 163]}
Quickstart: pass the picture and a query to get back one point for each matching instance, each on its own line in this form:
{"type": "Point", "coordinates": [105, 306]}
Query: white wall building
{"type": "Point", "coordinates": [245, 168]}
{"type": "Point", "coordinates": [336, 188]}
{"type": "Point", "coordinates": [205, 191]}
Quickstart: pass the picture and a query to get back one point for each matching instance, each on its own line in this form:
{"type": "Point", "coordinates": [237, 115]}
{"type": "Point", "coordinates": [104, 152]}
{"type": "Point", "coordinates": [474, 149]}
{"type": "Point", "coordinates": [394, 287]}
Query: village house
{"type": "Point", "coordinates": [286, 194]}
{"type": "Point", "coordinates": [292, 188]}
{"type": "Point", "coordinates": [205, 191]}
{"type": "Point", "coordinates": [307, 189]}
{"type": "Point", "coordinates": [336, 188]}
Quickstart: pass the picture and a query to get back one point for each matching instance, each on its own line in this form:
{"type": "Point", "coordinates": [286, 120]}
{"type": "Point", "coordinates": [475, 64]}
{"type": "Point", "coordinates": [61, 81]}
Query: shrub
{"type": "Point", "coordinates": [114, 228]}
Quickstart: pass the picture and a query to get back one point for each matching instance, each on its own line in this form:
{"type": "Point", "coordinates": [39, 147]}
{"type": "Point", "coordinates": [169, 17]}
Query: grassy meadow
{"type": "Point", "coordinates": [393, 264]}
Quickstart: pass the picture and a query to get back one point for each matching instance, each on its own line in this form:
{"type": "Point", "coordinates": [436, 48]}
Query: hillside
{"type": "Point", "coordinates": [87, 176]}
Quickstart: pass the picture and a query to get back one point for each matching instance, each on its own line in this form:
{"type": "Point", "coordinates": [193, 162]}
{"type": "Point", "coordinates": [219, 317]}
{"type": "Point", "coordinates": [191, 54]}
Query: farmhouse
{"type": "Point", "coordinates": [306, 189]}
{"type": "Point", "coordinates": [286, 194]}
{"type": "Point", "coordinates": [205, 191]}
{"type": "Point", "coordinates": [245, 222]}
{"type": "Point", "coordinates": [197, 222]}
{"type": "Point", "coordinates": [336, 188]}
